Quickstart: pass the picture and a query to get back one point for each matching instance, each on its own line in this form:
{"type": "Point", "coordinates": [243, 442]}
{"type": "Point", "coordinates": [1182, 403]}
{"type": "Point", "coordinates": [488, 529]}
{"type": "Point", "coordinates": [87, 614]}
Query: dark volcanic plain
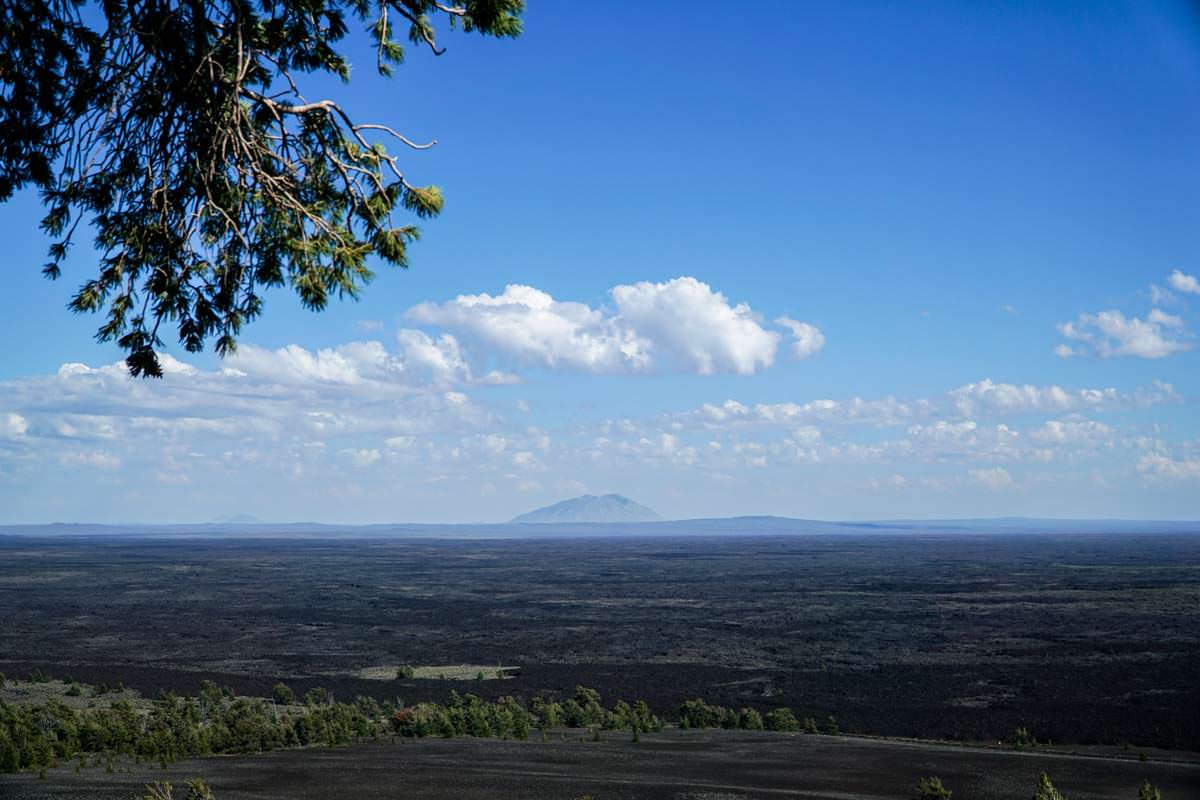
{"type": "Point", "coordinates": [674, 765]}
{"type": "Point", "coordinates": [1082, 638]}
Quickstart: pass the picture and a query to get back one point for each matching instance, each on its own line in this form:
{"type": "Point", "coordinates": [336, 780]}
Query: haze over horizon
{"type": "Point", "coordinates": [801, 269]}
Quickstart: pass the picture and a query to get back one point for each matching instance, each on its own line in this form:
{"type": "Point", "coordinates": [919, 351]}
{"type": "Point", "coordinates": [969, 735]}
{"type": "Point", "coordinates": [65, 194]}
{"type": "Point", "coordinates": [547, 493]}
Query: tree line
{"type": "Point", "coordinates": [43, 735]}
{"type": "Point", "coordinates": [217, 721]}
{"type": "Point", "coordinates": [173, 727]}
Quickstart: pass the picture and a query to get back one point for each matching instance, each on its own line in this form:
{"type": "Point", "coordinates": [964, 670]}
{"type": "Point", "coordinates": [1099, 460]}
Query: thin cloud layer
{"type": "Point", "coordinates": [984, 398]}
{"type": "Point", "coordinates": [354, 429]}
{"type": "Point", "coordinates": [988, 397]}
{"type": "Point", "coordinates": [419, 363]}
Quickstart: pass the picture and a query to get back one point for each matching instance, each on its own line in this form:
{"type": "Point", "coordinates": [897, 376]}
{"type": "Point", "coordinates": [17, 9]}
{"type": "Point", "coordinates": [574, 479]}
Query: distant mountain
{"type": "Point", "coordinates": [238, 519]}
{"type": "Point", "coordinates": [591, 508]}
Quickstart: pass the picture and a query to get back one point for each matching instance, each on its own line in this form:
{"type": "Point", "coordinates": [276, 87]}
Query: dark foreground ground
{"type": "Point", "coordinates": [695, 765]}
{"type": "Point", "coordinates": [1081, 638]}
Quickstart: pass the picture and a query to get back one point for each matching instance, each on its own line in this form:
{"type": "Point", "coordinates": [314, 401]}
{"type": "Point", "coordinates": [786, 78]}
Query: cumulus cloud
{"type": "Point", "coordinates": [532, 327]}
{"type": "Point", "coordinates": [1109, 334]}
{"type": "Point", "coordinates": [680, 324]}
{"type": "Point", "coordinates": [697, 326]}
{"type": "Point", "coordinates": [807, 339]}
{"type": "Point", "coordinates": [1182, 282]}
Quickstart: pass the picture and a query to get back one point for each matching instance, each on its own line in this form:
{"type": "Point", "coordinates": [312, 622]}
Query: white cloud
{"type": "Point", "coordinates": [441, 361]}
{"type": "Point", "coordinates": [856, 410]}
{"type": "Point", "coordinates": [808, 338]}
{"type": "Point", "coordinates": [697, 326]}
{"type": "Point", "coordinates": [1158, 393]}
{"type": "Point", "coordinates": [994, 478]}
{"type": "Point", "coordinates": [954, 413]}
{"type": "Point", "coordinates": [1109, 334]}
{"type": "Point", "coordinates": [419, 364]}
{"type": "Point", "coordinates": [1158, 465]}
{"type": "Point", "coordinates": [943, 431]}
{"type": "Point", "coordinates": [1077, 431]}
{"type": "Point", "coordinates": [677, 324]}
{"type": "Point", "coordinates": [1162, 297]}
{"type": "Point", "coordinates": [1182, 282]}
{"type": "Point", "coordinates": [988, 397]}
{"type": "Point", "coordinates": [532, 327]}
{"type": "Point", "coordinates": [12, 424]}
{"type": "Point", "coordinates": [274, 412]}
{"type": "Point", "coordinates": [363, 457]}
{"type": "Point", "coordinates": [94, 459]}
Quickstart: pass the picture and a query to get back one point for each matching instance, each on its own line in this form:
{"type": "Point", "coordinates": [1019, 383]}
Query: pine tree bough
{"type": "Point", "coordinates": [181, 133]}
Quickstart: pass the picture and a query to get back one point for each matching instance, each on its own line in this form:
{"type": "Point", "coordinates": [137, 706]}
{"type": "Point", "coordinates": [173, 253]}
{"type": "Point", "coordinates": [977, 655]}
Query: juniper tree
{"type": "Point", "coordinates": [283, 694]}
{"type": "Point", "coordinates": [931, 788]}
{"type": "Point", "coordinates": [1148, 792]}
{"type": "Point", "coordinates": [1046, 790]}
{"type": "Point", "coordinates": [182, 133]}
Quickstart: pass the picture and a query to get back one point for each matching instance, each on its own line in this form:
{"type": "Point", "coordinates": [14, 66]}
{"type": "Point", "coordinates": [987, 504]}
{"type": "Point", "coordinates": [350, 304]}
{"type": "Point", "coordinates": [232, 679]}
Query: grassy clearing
{"type": "Point", "coordinates": [74, 695]}
{"type": "Point", "coordinates": [445, 672]}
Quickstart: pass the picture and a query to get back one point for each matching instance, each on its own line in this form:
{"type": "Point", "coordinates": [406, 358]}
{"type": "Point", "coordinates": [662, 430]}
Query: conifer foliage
{"type": "Point", "coordinates": [183, 134]}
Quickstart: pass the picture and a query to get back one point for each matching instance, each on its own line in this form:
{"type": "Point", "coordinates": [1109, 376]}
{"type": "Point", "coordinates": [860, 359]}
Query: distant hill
{"type": "Point", "coordinates": [591, 508]}
{"type": "Point", "coordinates": [238, 519]}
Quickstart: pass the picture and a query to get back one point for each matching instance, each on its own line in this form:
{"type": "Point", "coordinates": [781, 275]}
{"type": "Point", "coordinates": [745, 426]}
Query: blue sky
{"type": "Point", "coordinates": [980, 218]}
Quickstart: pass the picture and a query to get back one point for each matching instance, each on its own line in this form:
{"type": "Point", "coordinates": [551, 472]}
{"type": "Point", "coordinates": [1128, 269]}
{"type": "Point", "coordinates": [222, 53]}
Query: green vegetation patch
{"type": "Point", "coordinates": [445, 672]}
{"type": "Point", "coordinates": [38, 735]}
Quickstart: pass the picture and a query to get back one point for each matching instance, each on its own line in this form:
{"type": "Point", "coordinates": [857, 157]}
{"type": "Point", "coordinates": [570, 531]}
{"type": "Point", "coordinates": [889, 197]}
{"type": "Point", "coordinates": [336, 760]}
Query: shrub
{"type": "Point", "coordinates": [750, 720]}
{"type": "Point", "coordinates": [699, 714]}
{"type": "Point", "coordinates": [1022, 738]}
{"type": "Point", "coordinates": [197, 790]}
{"type": "Point", "coordinates": [405, 672]}
{"type": "Point", "coordinates": [1046, 790]}
{"type": "Point", "coordinates": [1148, 792]}
{"type": "Point", "coordinates": [931, 788]}
{"type": "Point", "coordinates": [831, 726]}
{"type": "Point", "coordinates": [547, 713]}
{"type": "Point", "coordinates": [583, 709]}
{"type": "Point", "coordinates": [283, 694]}
{"type": "Point", "coordinates": [782, 719]}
